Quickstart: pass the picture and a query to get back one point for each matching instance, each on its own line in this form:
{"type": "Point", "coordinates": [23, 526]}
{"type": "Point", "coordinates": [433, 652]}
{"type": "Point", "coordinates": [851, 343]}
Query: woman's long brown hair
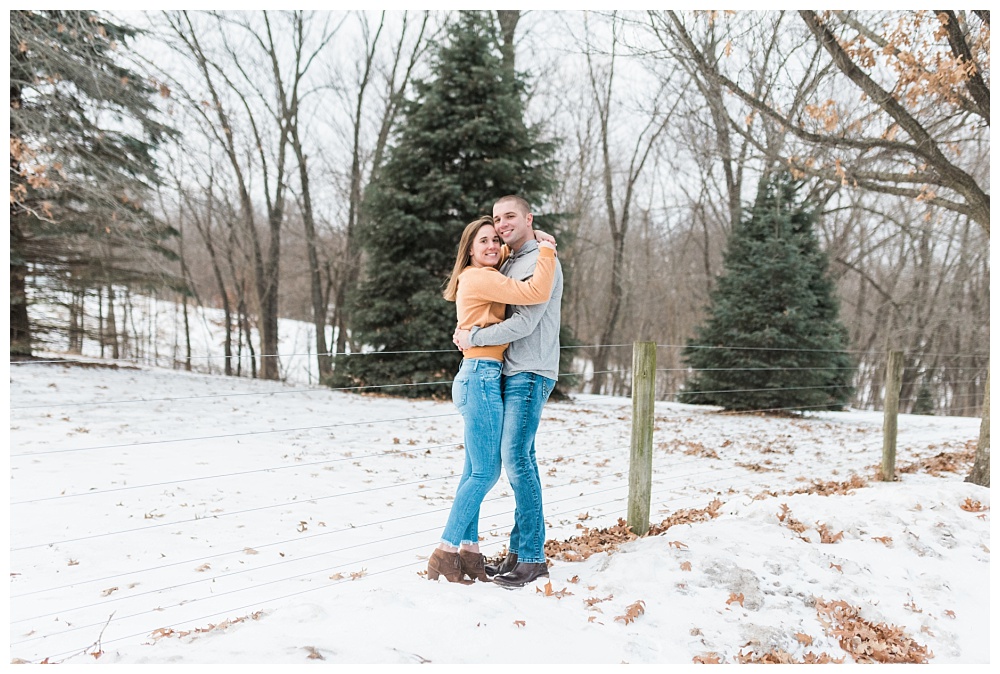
{"type": "Point", "coordinates": [462, 257]}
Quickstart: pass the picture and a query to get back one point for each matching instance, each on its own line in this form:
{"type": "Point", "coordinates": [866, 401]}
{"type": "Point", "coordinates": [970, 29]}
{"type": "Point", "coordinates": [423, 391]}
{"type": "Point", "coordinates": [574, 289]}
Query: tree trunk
{"type": "Point", "coordinates": [508, 19]}
{"type": "Point", "coordinates": [981, 468]}
{"type": "Point", "coordinates": [602, 357]}
{"type": "Point", "coordinates": [324, 362]}
{"type": "Point", "coordinates": [76, 318]}
{"type": "Point", "coordinates": [20, 327]}
{"type": "Point", "coordinates": [111, 332]}
{"type": "Point", "coordinates": [268, 294]}
{"type": "Point", "coordinates": [187, 337]}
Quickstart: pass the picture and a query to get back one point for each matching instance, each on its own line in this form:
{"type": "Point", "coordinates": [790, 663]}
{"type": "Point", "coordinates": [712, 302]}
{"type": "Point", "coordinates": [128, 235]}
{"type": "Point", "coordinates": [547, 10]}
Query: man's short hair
{"type": "Point", "coordinates": [522, 204]}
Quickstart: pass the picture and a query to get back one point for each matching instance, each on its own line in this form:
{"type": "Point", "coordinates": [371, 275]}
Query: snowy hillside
{"type": "Point", "coordinates": [166, 517]}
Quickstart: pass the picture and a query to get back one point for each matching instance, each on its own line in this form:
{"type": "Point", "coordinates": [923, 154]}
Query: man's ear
{"type": "Point", "coordinates": [528, 217]}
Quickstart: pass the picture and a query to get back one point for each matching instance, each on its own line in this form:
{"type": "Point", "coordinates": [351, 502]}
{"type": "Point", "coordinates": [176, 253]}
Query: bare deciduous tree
{"type": "Point", "coordinates": [619, 198]}
{"type": "Point", "coordinates": [367, 156]}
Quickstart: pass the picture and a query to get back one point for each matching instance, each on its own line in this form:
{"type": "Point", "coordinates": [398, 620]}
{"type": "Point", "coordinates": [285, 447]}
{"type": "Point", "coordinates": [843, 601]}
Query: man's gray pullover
{"type": "Point", "coordinates": [532, 330]}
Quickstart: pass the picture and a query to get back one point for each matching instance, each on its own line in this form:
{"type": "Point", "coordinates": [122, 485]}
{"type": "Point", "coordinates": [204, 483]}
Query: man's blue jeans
{"type": "Point", "coordinates": [524, 395]}
{"type": "Point", "coordinates": [476, 392]}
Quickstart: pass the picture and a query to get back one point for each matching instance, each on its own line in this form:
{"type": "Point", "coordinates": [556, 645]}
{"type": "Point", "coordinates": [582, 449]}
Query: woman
{"type": "Point", "coordinates": [481, 293]}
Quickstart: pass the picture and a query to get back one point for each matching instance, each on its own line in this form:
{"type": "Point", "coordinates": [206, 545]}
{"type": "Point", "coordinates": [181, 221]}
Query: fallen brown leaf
{"type": "Point", "coordinates": [632, 611]}
{"type": "Point", "coordinates": [971, 506]}
{"type": "Point", "coordinates": [549, 592]}
{"type": "Point", "coordinates": [827, 536]}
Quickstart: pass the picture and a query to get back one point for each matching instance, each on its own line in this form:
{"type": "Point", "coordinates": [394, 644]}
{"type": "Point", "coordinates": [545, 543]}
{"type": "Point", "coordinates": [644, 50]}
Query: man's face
{"type": "Point", "coordinates": [513, 226]}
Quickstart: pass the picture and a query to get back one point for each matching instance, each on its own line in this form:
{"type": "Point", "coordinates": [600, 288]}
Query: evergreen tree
{"type": "Point", "coordinates": [772, 339]}
{"type": "Point", "coordinates": [462, 144]}
{"type": "Point", "coordinates": [924, 404]}
{"type": "Point", "coordinates": [82, 137]}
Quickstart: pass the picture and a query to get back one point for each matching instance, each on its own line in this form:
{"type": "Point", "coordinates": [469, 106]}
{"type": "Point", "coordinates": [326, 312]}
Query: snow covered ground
{"type": "Point", "coordinates": [165, 517]}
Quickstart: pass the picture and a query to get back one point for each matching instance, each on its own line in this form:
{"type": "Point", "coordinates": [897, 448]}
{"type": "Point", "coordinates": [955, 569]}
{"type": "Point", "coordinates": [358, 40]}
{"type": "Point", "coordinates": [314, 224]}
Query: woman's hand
{"type": "Point", "coordinates": [545, 240]}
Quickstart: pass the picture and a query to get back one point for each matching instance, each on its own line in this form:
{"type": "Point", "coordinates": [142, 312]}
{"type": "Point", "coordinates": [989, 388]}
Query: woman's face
{"type": "Point", "coordinates": [485, 247]}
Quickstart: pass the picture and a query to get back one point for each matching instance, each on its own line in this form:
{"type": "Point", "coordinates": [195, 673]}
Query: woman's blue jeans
{"type": "Point", "coordinates": [524, 395]}
{"type": "Point", "coordinates": [476, 392]}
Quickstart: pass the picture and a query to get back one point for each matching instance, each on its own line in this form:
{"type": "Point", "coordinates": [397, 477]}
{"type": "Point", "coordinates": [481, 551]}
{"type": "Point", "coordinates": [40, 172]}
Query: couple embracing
{"type": "Point", "coordinates": [509, 368]}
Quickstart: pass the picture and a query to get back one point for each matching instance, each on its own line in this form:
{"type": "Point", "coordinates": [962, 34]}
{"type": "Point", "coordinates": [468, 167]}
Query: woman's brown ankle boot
{"type": "Point", "coordinates": [474, 565]}
{"type": "Point", "coordinates": [447, 564]}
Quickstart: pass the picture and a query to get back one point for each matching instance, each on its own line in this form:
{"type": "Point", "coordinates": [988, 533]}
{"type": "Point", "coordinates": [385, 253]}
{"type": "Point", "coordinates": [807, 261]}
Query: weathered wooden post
{"type": "Point", "coordinates": [893, 384]}
{"type": "Point", "coordinates": [640, 472]}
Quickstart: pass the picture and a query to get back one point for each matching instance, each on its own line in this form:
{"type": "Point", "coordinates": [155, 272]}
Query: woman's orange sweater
{"type": "Point", "coordinates": [484, 293]}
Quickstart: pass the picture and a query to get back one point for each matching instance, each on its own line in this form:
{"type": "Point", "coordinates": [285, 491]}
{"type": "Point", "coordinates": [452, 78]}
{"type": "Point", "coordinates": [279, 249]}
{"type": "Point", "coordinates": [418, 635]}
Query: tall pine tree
{"type": "Point", "coordinates": [82, 137]}
{"type": "Point", "coordinates": [772, 340]}
{"type": "Point", "coordinates": [462, 144]}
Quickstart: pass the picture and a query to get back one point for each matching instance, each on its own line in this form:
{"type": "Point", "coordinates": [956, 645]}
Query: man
{"type": "Point", "coordinates": [530, 369]}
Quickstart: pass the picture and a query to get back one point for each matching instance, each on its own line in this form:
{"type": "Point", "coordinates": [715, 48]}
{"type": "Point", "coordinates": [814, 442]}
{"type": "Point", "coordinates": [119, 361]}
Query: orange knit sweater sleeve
{"type": "Point", "coordinates": [487, 283]}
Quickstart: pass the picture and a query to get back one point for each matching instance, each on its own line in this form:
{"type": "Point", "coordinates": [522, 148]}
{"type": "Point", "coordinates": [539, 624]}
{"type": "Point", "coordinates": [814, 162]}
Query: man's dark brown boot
{"type": "Point", "coordinates": [504, 566]}
{"type": "Point", "coordinates": [522, 574]}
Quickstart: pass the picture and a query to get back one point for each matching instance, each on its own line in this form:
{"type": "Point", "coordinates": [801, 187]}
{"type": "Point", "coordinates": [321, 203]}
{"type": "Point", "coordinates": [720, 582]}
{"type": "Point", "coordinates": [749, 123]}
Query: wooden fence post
{"type": "Point", "coordinates": [893, 384]}
{"type": "Point", "coordinates": [640, 472]}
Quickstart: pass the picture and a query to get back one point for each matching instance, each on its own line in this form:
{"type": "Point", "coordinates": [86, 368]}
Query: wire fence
{"type": "Point", "coordinates": [137, 592]}
{"type": "Point", "coordinates": [956, 396]}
